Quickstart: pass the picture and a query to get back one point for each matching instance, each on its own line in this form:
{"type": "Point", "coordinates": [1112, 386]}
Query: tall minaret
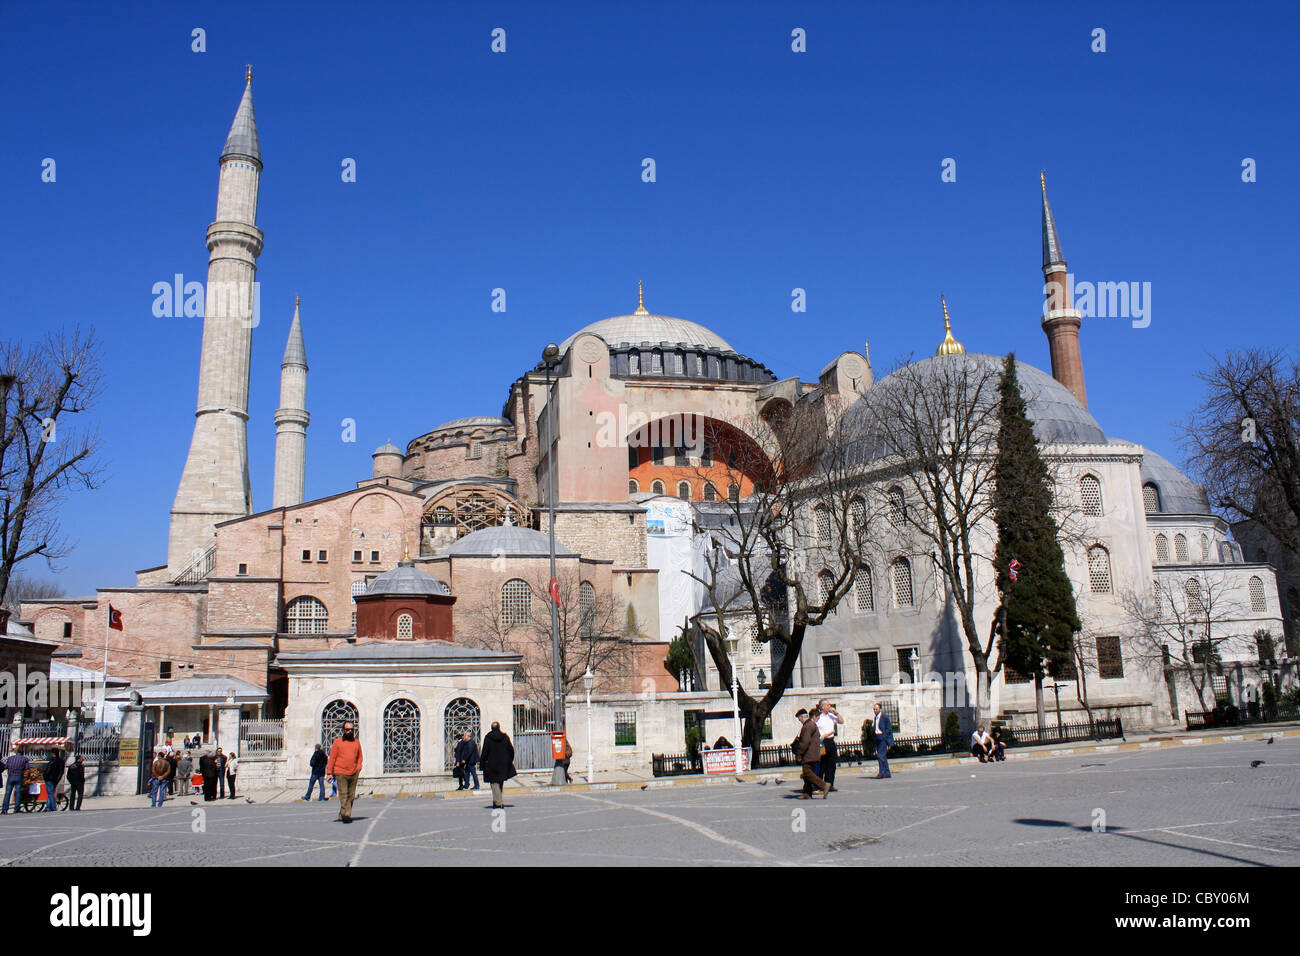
{"type": "Point", "coordinates": [1060, 319]}
{"type": "Point", "coordinates": [214, 485]}
{"type": "Point", "coordinates": [291, 420]}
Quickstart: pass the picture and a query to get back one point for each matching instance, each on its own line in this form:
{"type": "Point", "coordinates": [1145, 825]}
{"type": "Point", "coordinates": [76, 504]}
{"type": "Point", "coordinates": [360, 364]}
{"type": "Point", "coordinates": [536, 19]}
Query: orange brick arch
{"type": "Point", "coordinates": [735, 457]}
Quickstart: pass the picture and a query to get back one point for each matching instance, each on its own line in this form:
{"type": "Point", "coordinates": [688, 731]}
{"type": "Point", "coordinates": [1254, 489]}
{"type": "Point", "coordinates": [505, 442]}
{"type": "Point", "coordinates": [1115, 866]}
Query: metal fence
{"type": "Point", "coordinates": [859, 751]}
{"type": "Point", "coordinates": [261, 738]}
{"type": "Point", "coordinates": [1234, 717]}
{"type": "Point", "coordinates": [533, 750]}
{"type": "Point", "coordinates": [45, 728]}
{"type": "Point", "coordinates": [98, 743]}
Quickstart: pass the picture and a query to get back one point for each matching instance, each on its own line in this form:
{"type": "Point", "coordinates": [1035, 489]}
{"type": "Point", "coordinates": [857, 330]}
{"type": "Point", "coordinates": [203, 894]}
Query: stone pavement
{"type": "Point", "coordinates": [1167, 803]}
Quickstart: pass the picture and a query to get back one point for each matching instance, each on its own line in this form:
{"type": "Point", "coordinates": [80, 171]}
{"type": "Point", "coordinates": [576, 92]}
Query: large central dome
{"type": "Point", "coordinates": [636, 329]}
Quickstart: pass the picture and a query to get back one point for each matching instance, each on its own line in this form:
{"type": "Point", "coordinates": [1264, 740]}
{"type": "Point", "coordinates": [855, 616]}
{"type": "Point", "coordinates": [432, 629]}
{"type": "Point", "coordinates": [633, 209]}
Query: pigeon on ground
{"type": "Point", "coordinates": [248, 799]}
{"type": "Point", "coordinates": [194, 803]}
{"type": "Point", "coordinates": [1270, 740]}
{"type": "Point", "coordinates": [644, 785]}
{"type": "Point", "coordinates": [1256, 763]}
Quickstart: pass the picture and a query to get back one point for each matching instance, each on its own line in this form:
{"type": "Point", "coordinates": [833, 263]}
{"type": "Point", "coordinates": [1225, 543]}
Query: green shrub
{"type": "Point", "coordinates": [952, 729]}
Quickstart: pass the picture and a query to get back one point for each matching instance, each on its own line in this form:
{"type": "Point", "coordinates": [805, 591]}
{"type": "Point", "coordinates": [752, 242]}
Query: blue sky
{"type": "Point", "coordinates": [522, 170]}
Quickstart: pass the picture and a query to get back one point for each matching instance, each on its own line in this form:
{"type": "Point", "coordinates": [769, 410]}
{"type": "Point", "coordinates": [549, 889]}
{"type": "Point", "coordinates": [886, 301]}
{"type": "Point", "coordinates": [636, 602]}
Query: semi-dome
{"type": "Point", "coordinates": [474, 421]}
{"type": "Point", "coordinates": [1057, 416]}
{"type": "Point", "coordinates": [406, 578]}
{"type": "Point", "coordinates": [638, 328]}
{"type": "Point", "coordinates": [506, 541]}
{"type": "Point", "coordinates": [1178, 494]}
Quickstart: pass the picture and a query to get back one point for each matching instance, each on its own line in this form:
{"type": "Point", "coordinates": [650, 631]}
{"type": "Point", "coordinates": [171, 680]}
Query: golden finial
{"type": "Point", "coordinates": [296, 301]}
{"type": "Point", "coordinates": [406, 550]}
{"type": "Point", "coordinates": [949, 345]}
{"type": "Point", "coordinates": [640, 300]}
{"type": "Point", "coordinates": [248, 75]}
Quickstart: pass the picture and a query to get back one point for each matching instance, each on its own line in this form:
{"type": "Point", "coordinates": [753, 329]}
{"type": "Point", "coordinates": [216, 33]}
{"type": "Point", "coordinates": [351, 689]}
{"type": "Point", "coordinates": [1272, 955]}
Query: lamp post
{"type": "Point", "coordinates": [733, 647]}
{"type": "Point", "coordinates": [551, 358]}
{"type": "Point", "coordinates": [588, 679]}
{"type": "Point", "coordinates": [916, 709]}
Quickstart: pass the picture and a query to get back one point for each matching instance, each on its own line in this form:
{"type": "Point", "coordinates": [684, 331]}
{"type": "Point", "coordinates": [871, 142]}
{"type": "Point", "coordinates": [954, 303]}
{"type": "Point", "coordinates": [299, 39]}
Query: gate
{"type": "Point", "coordinates": [144, 769]}
{"type": "Point", "coordinates": [532, 738]}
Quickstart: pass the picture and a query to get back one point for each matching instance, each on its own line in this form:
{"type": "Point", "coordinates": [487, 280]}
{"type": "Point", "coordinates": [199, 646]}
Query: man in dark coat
{"type": "Point", "coordinates": [498, 761]}
{"type": "Point", "coordinates": [220, 758]}
{"type": "Point", "coordinates": [807, 750]}
{"type": "Point", "coordinates": [174, 760]}
{"type": "Point", "coordinates": [208, 770]}
{"type": "Point", "coordinates": [466, 757]}
{"type": "Point", "coordinates": [884, 733]}
{"type": "Point", "coordinates": [318, 761]}
{"type": "Point", "coordinates": [76, 783]}
{"type": "Point", "coordinates": [53, 774]}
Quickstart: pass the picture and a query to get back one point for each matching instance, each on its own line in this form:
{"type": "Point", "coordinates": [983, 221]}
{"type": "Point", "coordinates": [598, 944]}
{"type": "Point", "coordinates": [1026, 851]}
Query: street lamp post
{"type": "Point", "coordinates": [551, 358]}
{"type": "Point", "coordinates": [733, 647]}
{"type": "Point", "coordinates": [1056, 689]}
{"type": "Point", "coordinates": [912, 659]}
{"type": "Point", "coordinates": [588, 679]}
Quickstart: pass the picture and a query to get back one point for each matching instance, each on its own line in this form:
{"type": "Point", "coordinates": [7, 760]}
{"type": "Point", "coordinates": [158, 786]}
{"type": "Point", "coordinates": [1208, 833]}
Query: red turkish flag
{"type": "Point", "coordinates": [114, 618]}
{"type": "Point", "coordinates": [555, 591]}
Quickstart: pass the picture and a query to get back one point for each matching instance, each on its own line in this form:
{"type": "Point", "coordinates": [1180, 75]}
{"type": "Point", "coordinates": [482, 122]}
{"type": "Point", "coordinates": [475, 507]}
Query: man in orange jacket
{"type": "Point", "coordinates": [345, 767]}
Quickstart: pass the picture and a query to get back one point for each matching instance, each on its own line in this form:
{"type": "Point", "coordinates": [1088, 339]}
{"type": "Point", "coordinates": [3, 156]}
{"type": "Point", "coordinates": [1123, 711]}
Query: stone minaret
{"type": "Point", "coordinates": [1060, 319]}
{"type": "Point", "coordinates": [214, 485]}
{"type": "Point", "coordinates": [291, 420]}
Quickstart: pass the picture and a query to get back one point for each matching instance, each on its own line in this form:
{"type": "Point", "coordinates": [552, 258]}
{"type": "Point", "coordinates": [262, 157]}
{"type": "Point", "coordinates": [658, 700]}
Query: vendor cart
{"type": "Point", "coordinates": [35, 795]}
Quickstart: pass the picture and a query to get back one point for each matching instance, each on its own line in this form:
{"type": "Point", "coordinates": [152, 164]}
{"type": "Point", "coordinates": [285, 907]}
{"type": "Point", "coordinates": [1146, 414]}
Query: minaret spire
{"type": "Point", "coordinates": [640, 300]}
{"type": "Point", "coordinates": [292, 419]}
{"type": "Point", "coordinates": [214, 485]}
{"type": "Point", "coordinates": [949, 345]}
{"type": "Point", "coordinates": [1061, 320]}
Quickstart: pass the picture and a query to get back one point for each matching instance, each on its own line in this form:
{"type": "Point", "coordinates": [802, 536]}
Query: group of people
{"type": "Point", "coordinates": [817, 752]}
{"type": "Point", "coordinates": [20, 774]}
{"type": "Point", "coordinates": [172, 771]}
{"type": "Point", "coordinates": [988, 747]}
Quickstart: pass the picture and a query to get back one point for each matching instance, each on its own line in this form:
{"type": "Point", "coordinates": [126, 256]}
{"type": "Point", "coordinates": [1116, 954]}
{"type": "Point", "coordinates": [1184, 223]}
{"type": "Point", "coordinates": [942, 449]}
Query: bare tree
{"type": "Point", "coordinates": [1179, 626]}
{"type": "Point", "coordinates": [596, 631]}
{"type": "Point", "coordinates": [23, 588]}
{"type": "Point", "coordinates": [787, 553]}
{"type": "Point", "coordinates": [1243, 442]}
{"type": "Point", "coordinates": [43, 454]}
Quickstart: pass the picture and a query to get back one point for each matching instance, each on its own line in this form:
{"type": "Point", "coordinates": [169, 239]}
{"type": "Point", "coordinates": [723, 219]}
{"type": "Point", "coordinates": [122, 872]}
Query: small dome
{"type": "Point", "coordinates": [475, 421]}
{"type": "Point", "coordinates": [1179, 495]}
{"type": "Point", "coordinates": [406, 578]}
{"type": "Point", "coordinates": [635, 329]}
{"type": "Point", "coordinates": [388, 448]}
{"type": "Point", "coordinates": [506, 541]}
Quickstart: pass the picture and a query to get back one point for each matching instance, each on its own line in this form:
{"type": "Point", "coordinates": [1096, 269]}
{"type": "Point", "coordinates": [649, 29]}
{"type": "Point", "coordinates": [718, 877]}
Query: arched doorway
{"type": "Point", "coordinates": [460, 715]}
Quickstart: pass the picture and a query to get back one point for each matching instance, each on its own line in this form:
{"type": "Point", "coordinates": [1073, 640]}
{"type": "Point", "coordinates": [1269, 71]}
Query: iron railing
{"type": "Point", "coordinates": [1233, 717]}
{"type": "Point", "coordinates": [98, 744]}
{"type": "Point", "coordinates": [859, 751]}
{"type": "Point", "coordinates": [261, 738]}
{"type": "Point", "coordinates": [199, 568]}
{"type": "Point", "coordinates": [46, 728]}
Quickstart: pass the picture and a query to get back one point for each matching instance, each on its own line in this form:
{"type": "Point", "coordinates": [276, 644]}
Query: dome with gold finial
{"type": "Point", "coordinates": [949, 345]}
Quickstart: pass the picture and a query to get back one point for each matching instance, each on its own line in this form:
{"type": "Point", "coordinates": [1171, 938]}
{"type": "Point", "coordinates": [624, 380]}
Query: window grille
{"type": "Point", "coordinates": [657, 487]}
{"type": "Point", "coordinates": [905, 664]}
{"type": "Point", "coordinates": [858, 516]}
{"type": "Point", "coordinates": [1180, 548]}
{"type": "Point", "coordinates": [831, 670]}
{"type": "Point", "coordinates": [516, 602]}
{"type": "Point", "coordinates": [862, 590]}
{"type": "Point", "coordinates": [624, 728]}
{"type": "Point", "coordinates": [684, 490]}
{"type": "Point", "coordinates": [1205, 547]}
{"type": "Point", "coordinates": [1151, 498]}
{"type": "Point", "coordinates": [358, 587]}
{"type": "Point", "coordinates": [402, 737]}
{"type": "Point", "coordinates": [405, 627]}
{"type": "Point", "coordinates": [586, 608]}
{"type": "Point", "coordinates": [1099, 569]}
{"type": "Point", "coordinates": [1090, 488]}
{"type": "Point", "coordinates": [733, 492]}
{"type": "Point", "coordinates": [897, 507]}
{"type": "Point", "coordinates": [1257, 599]}
{"type": "Point", "coordinates": [1110, 659]}
{"type": "Point", "coordinates": [1162, 549]}
{"type": "Point", "coordinates": [459, 716]}
{"type": "Point", "coordinates": [823, 519]}
{"type": "Point", "coordinates": [756, 646]}
{"type": "Point", "coordinates": [1012, 676]}
{"type": "Point", "coordinates": [332, 718]}
{"type": "Point", "coordinates": [305, 615]}
{"type": "Point", "coordinates": [826, 584]}
{"type": "Point", "coordinates": [868, 667]}
{"type": "Point", "coordinates": [710, 492]}
{"type": "Point", "coordinates": [1193, 591]}
{"type": "Point", "coordinates": [901, 574]}
{"type": "Point", "coordinates": [632, 486]}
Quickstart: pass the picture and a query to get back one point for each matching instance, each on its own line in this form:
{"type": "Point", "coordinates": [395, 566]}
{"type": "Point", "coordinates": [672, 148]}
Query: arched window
{"type": "Point", "coordinates": [657, 487]}
{"type": "Point", "coordinates": [900, 574]}
{"type": "Point", "coordinates": [733, 492]}
{"type": "Point", "coordinates": [1180, 548]}
{"type": "Point", "coordinates": [442, 515]}
{"type": "Point", "coordinates": [756, 648]}
{"type": "Point", "coordinates": [1193, 591]}
{"type": "Point", "coordinates": [586, 609]}
{"type": "Point", "coordinates": [858, 516]}
{"type": "Point", "coordinates": [710, 492]}
{"type": "Point", "coordinates": [822, 518]}
{"type": "Point", "coordinates": [862, 590]}
{"type": "Point", "coordinates": [405, 627]}
{"type": "Point", "coordinates": [1151, 498]}
{"type": "Point", "coordinates": [684, 490]}
{"type": "Point", "coordinates": [825, 584]}
{"type": "Point", "coordinates": [305, 615]}
{"type": "Point", "coordinates": [402, 737]}
{"type": "Point", "coordinates": [461, 715]}
{"type": "Point", "coordinates": [632, 486]}
{"type": "Point", "coordinates": [358, 587]}
{"type": "Point", "coordinates": [1090, 489]}
{"type": "Point", "coordinates": [1257, 600]}
{"type": "Point", "coordinates": [1162, 549]}
{"type": "Point", "coordinates": [1099, 569]}
{"type": "Point", "coordinates": [1205, 547]}
{"type": "Point", "coordinates": [706, 455]}
{"type": "Point", "coordinates": [516, 603]}
{"type": "Point", "coordinates": [332, 718]}
{"type": "Point", "coordinates": [897, 507]}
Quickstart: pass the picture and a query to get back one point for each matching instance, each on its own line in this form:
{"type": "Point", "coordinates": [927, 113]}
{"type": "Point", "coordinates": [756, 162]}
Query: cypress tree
{"type": "Point", "coordinates": [1038, 618]}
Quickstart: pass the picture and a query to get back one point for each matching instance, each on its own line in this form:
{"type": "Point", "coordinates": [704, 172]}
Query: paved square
{"type": "Point", "coordinates": [1173, 806]}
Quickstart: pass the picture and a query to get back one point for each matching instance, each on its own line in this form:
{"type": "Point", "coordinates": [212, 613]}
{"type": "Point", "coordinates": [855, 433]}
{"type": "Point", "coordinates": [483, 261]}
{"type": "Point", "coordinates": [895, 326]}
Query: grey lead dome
{"type": "Point", "coordinates": [406, 578]}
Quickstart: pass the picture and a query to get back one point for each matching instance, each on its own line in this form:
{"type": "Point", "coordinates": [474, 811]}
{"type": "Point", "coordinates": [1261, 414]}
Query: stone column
{"type": "Point", "coordinates": [227, 735]}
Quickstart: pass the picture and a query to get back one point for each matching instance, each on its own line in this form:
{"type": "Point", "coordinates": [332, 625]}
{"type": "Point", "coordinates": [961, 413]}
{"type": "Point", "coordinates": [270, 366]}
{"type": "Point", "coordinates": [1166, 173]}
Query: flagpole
{"type": "Point", "coordinates": [103, 691]}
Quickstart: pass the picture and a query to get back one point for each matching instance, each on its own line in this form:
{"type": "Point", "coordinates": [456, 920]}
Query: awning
{"type": "Point", "coordinates": [43, 741]}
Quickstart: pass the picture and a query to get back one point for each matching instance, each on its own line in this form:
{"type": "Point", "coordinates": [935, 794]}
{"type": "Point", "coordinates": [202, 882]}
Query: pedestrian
{"type": "Point", "coordinates": [158, 784]}
{"type": "Point", "coordinates": [568, 758]}
{"type": "Point", "coordinates": [981, 744]}
{"type": "Point", "coordinates": [220, 759]}
{"type": "Point", "coordinates": [185, 771]}
{"type": "Point", "coordinates": [999, 745]}
{"type": "Point", "coordinates": [189, 744]}
{"type": "Point", "coordinates": [15, 766]}
{"type": "Point", "coordinates": [174, 760]}
{"type": "Point", "coordinates": [76, 783]}
{"type": "Point", "coordinates": [232, 768]}
{"type": "Point", "coordinates": [498, 762]}
{"type": "Point", "coordinates": [345, 767]}
{"type": "Point", "coordinates": [318, 762]}
{"type": "Point", "coordinates": [884, 733]}
{"type": "Point", "coordinates": [208, 771]}
{"type": "Point", "coordinates": [807, 748]}
{"type": "Point", "coordinates": [466, 757]}
{"type": "Point", "coordinates": [828, 721]}
{"type": "Point", "coordinates": [53, 774]}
